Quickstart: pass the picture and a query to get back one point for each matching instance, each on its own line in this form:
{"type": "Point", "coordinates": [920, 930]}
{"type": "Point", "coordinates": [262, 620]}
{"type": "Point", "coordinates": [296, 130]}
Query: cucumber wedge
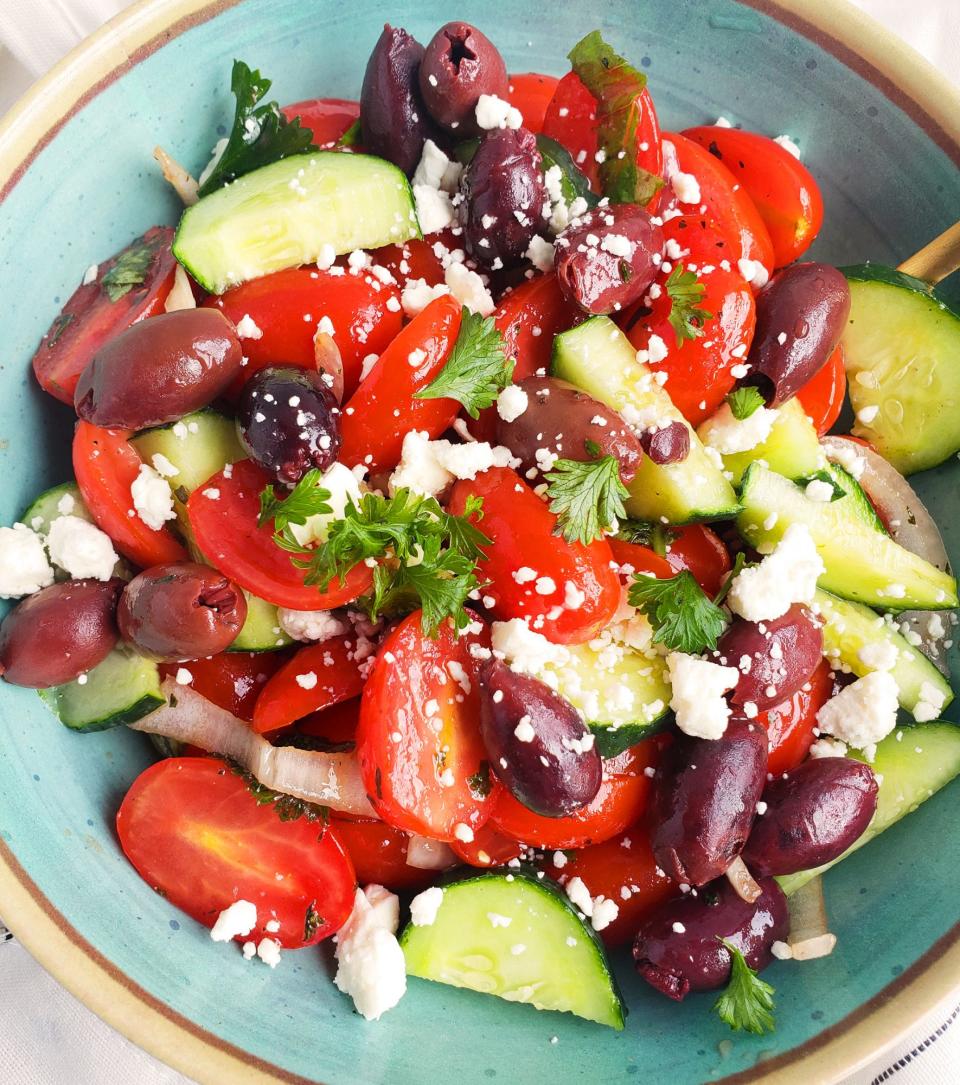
{"type": "Point", "coordinates": [64, 500]}
{"type": "Point", "coordinates": [792, 449]}
{"type": "Point", "coordinates": [902, 355]}
{"type": "Point", "coordinates": [861, 563]}
{"type": "Point", "coordinates": [855, 502]}
{"type": "Point", "coordinates": [284, 214]}
{"type": "Point", "coordinates": [474, 940]}
{"type": "Point", "coordinates": [261, 631]}
{"type": "Point", "coordinates": [122, 689]}
{"type": "Point", "coordinates": [597, 357]}
{"type": "Point", "coordinates": [909, 778]}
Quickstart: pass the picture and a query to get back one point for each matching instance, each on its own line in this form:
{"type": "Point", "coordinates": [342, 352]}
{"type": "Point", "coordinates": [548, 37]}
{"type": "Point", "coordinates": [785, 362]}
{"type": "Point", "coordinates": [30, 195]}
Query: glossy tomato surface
{"type": "Point", "coordinates": [378, 852]}
{"type": "Point", "coordinates": [327, 118]}
{"type": "Point", "coordinates": [823, 395]}
{"type": "Point", "coordinates": [790, 725]}
{"type": "Point", "coordinates": [232, 680]}
{"type": "Point", "coordinates": [531, 93]}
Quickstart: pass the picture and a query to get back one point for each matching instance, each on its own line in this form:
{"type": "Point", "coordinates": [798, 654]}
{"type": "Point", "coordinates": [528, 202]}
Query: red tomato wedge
{"type": "Point", "coordinates": [99, 310]}
{"type": "Point", "coordinates": [315, 677]}
{"type": "Point", "coordinates": [195, 833]}
{"type": "Point", "coordinates": [336, 724]}
{"type": "Point", "coordinates": [529, 566]}
{"type": "Point", "coordinates": [790, 725]}
{"type": "Point", "coordinates": [619, 803]}
{"type": "Point", "coordinates": [697, 548]}
{"type": "Point", "coordinates": [822, 396]}
{"type": "Point", "coordinates": [488, 848]}
{"type": "Point", "coordinates": [384, 408]}
{"type": "Point", "coordinates": [781, 187]}
{"type": "Point", "coordinates": [531, 93]}
{"type": "Point", "coordinates": [414, 259]}
{"type": "Point", "coordinates": [287, 306]}
{"type": "Point", "coordinates": [379, 854]}
{"type": "Point", "coordinates": [232, 680]}
{"type": "Point", "coordinates": [225, 529]}
{"type": "Point", "coordinates": [423, 761]}
{"type": "Point", "coordinates": [640, 559]}
{"type": "Point", "coordinates": [327, 118]}
{"type": "Point", "coordinates": [105, 465]}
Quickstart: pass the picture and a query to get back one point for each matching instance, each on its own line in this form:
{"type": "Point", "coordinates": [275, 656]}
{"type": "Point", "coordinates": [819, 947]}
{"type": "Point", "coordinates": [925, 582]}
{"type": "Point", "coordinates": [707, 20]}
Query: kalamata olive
{"type": "Point", "coordinates": [159, 370]}
{"type": "Point", "coordinates": [181, 611]}
{"type": "Point", "coordinates": [459, 64]}
{"type": "Point", "coordinates": [608, 258]}
{"type": "Point", "coordinates": [813, 814]}
{"type": "Point", "coordinates": [667, 444]}
{"type": "Point", "coordinates": [801, 314]}
{"type": "Point", "coordinates": [537, 743]}
{"type": "Point", "coordinates": [705, 799]}
{"type": "Point", "coordinates": [775, 657]}
{"type": "Point", "coordinates": [559, 421]}
{"type": "Point", "coordinates": [59, 632]}
{"type": "Point", "coordinates": [288, 421]}
{"type": "Point", "coordinates": [393, 119]}
{"type": "Point", "coordinates": [678, 949]}
{"type": "Point", "coordinates": [503, 196]}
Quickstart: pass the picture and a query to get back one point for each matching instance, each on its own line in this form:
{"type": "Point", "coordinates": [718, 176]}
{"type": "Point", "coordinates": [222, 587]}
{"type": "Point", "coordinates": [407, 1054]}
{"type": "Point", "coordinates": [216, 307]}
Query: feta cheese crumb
{"type": "Point", "coordinates": [524, 731]}
{"type": "Point", "coordinates": [730, 435]}
{"type": "Point", "coordinates": [788, 145]}
{"type": "Point", "coordinates": [435, 210]}
{"type": "Point", "coordinates": [930, 704]}
{"type": "Point", "coordinates": [686, 187]}
{"type": "Point", "coordinates": [880, 655]}
{"type": "Point", "coordinates": [494, 112]}
{"type": "Point", "coordinates": [183, 676]}
{"type": "Point", "coordinates": [436, 170]}
{"type": "Point", "coordinates": [160, 464]}
{"type": "Point", "coordinates": [781, 950]}
{"type": "Point", "coordinates": [697, 700]}
{"type": "Point", "coordinates": [787, 576]}
{"type": "Point", "coordinates": [818, 490]}
{"type": "Point", "coordinates": [864, 712]}
{"type": "Point", "coordinates": [753, 271]}
{"type": "Point", "coordinates": [526, 651]}
{"type": "Point", "coordinates": [463, 832]}
{"type": "Point", "coordinates": [427, 467]}
{"type": "Point", "coordinates": [247, 328]}
{"type": "Point", "coordinates": [310, 625]}
{"type": "Point", "coordinates": [512, 402]}
{"type": "Point", "coordinates": [418, 294]}
{"type": "Point", "coordinates": [239, 919]}
{"type": "Point", "coordinates": [269, 951]}
{"type": "Point", "coordinates": [468, 288]}
{"type": "Point", "coordinates": [81, 548]}
{"type": "Point", "coordinates": [152, 498]}
{"type": "Point", "coordinates": [828, 747]}
{"type": "Point", "coordinates": [579, 895]}
{"type": "Point", "coordinates": [370, 963]}
{"type": "Point", "coordinates": [540, 253]}
{"type": "Point", "coordinates": [307, 680]}
{"type": "Point", "coordinates": [605, 911]}
{"type": "Point", "coordinates": [425, 905]}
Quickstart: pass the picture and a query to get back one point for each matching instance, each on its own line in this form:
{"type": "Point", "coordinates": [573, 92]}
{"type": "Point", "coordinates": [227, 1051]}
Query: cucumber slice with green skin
{"type": "Point", "coordinates": [261, 631]}
{"type": "Point", "coordinates": [597, 357]}
{"type": "Point", "coordinates": [284, 214]}
{"type": "Point", "coordinates": [482, 920]}
{"type": "Point", "coordinates": [909, 778]}
{"type": "Point", "coordinates": [861, 563]}
{"type": "Point", "coordinates": [849, 627]}
{"type": "Point", "coordinates": [64, 500]}
{"type": "Point", "coordinates": [792, 449]}
{"type": "Point", "coordinates": [121, 689]}
{"type": "Point", "coordinates": [902, 354]}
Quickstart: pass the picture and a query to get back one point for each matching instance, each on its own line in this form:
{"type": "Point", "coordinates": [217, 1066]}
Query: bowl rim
{"type": "Point", "coordinates": [852, 37]}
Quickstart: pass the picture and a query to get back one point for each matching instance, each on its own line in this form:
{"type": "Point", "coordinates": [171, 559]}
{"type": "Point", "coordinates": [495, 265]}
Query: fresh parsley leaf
{"type": "Point", "coordinates": [586, 497]}
{"type": "Point", "coordinates": [738, 563]}
{"type": "Point", "coordinates": [747, 1002]}
{"type": "Point", "coordinates": [683, 618]}
{"type": "Point", "coordinates": [130, 270]}
{"type": "Point", "coordinates": [477, 369]}
{"type": "Point", "coordinates": [687, 316]}
{"type": "Point", "coordinates": [308, 498]}
{"type": "Point", "coordinates": [744, 402]}
{"type": "Point", "coordinates": [261, 134]}
{"type": "Point", "coordinates": [352, 136]}
{"type": "Point", "coordinates": [617, 87]}
{"type": "Point", "coordinates": [287, 807]}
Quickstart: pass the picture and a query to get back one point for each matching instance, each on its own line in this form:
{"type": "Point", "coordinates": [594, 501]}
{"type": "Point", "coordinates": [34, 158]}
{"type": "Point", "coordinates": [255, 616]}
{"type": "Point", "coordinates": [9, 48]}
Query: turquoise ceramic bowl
{"type": "Point", "coordinates": [875, 127]}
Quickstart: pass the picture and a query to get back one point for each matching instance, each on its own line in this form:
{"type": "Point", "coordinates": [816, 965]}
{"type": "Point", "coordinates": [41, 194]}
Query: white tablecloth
{"type": "Point", "coordinates": [47, 1037]}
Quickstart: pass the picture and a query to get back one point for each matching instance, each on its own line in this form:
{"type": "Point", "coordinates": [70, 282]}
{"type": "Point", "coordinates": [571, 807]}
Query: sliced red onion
{"type": "Point", "coordinates": [326, 354]}
{"type": "Point", "coordinates": [183, 183]}
{"type": "Point", "coordinates": [743, 881]}
{"type": "Point", "coordinates": [810, 936]}
{"type": "Point", "coordinates": [426, 854]}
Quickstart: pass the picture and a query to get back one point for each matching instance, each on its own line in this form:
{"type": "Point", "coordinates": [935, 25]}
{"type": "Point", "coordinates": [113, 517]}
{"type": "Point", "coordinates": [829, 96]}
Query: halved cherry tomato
{"type": "Point", "coordinates": [327, 118]}
{"type": "Point", "coordinates": [623, 870]}
{"type": "Point", "coordinates": [423, 761]}
{"type": "Point", "coordinates": [195, 833]}
{"type": "Point", "coordinates": [414, 259]}
{"type": "Point", "coordinates": [105, 465]}
{"type": "Point", "coordinates": [489, 847]}
{"type": "Point", "coordinates": [619, 803]}
{"type": "Point", "coordinates": [232, 680]}
{"type": "Point", "coordinates": [92, 316]}
{"type": "Point", "coordinates": [641, 559]}
{"type": "Point", "coordinates": [223, 517]}
{"type": "Point", "coordinates": [782, 188]}
{"type": "Point", "coordinates": [313, 678]}
{"type": "Point", "coordinates": [384, 408]}
{"type": "Point", "coordinates": [822, 396]}
{"type": "Point", "coordinates": [531, 93]}
{"type": "Point", "coordinates": [697, 548]}
{"type": "Point", "coordinates": [336, 724]}
{"type": "Point", "coordinates": [379, 854]}
{"type": "Point", "coordinates": [790, 725]}
{"type": "Point", "coordinates": [287, 306]}
{"type": "Point", "coordinates": [529, 565]}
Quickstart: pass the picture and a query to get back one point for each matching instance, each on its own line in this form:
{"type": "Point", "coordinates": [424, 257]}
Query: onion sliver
{"type": "Point", "coordinates": [426, 854]}
{"type": "Point", "coordinates": [742, 881]}
{"type": "Point", "coordinates": [183, 183]}
{"type": "Point", "coordinates": [809, 935]}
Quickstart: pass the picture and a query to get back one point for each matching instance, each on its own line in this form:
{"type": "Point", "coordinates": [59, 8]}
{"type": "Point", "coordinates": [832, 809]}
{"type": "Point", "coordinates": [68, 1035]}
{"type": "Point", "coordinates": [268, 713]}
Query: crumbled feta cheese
{"type": "Point", "coordinates": [729, 435]}
{"type": "Point", "coordinates": [24, 568]}
{"type": "Point", "coordinates": [512, 402]}
{"type": "Point", "coordinates": [90, 275]}
{"type": "Point", "coordinates": [247, 328]}
{"type": "Point", "coordinates": [344, 488]}
{"type": "Point", "coordinates": [524, 731]}
{"type": "Point", "coordinates": [268, 951]}
{"type": "Point", "coordinates": [788, 145]}
{"type": "Point", "coordinates": [697, 700]}
{"type": "Point", "coordinates": [494, 112]}
{"type": "Point", "coordinates": [864, 712]}
{"type": "Point", "coordinates": [239, 919]}
{"type": "Point", "coordinates": [308, 680]}
{"type": "Point", "coordinates": [418, 294]}
{"type": "Point", "coordinates": [617, 245]}
{"type": "Point", "coordinates": [436, 170]}
{"type": "Point", "coordinates": [540, 253]}
{"type": "Point", "coordinates": [463, 832]}
{"type": "Point", "coordinates": [425, 905]}
{"type": "Point", "coordinates": [160, 464]}
{"type": "Point", "coordinates": [526, 652]}
{"type": "Point", "coordinates": [930, 704]}
{"type": "Point", "coordinates": [880, 655]}
{"type": "Point", "coordinates": [312, 625]}
{"type": "Point", "coordinates": [183, 676]}
{"type": "Point", "coordinates": [370, 962]}
{"type": "Point", "coordinates": [435, 210]}
{"type": "Point", "coordinates": [152, 498]}
{"type": "Point", "coordinates": [828, 747]}
{"type": "Point", "coordinates": [326, 257]}
{"type": "Point", "coordinates": [605, 911]}
{"type": "Point", "coordinates": [427, 467]}
{"type": "Point", "coordinates": [753, 271]}
{"type": "Point", "coordinates": [818, 490]}
{"type": "Point", "coordinates": [685, 186]}
{"type": "Point", "coordinates": [846, 455]}
{"type": "Point", "coordinates": [579, 895]}
{"type": "Point", "coordinates": [781, 950]}
{"type": "Point", "coordinates": [787, 576]}
{"type": "Point", "coordinates": [468, 288]}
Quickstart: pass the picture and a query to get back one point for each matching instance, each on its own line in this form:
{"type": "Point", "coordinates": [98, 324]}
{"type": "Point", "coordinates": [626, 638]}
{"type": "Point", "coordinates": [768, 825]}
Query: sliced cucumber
{"type": "Point", "coordinates": [122, 689]}
{"type": "Point", "coordinates": [520, 939]}
{"type": "Point", "coordinates": [914, 763]}
{"type": "Point", "coordinates": [285, 214]}
{"type": "Point", "coordinates": [902, 354]}
{"type": "Point", "coordinates": [597, 357]}
{"type": "Point", "coordinates": [64, 500]}
{"type": "Point", "coordinates": [792, 449]}
{"type": "Point", "coordinates": [261, 631]}
{"type": "Point", "coordinates": [850, 627]}
{"type": "Point", "coordinates": [855, 502]}
{"type": "Point", "coordinates": [861, 563]}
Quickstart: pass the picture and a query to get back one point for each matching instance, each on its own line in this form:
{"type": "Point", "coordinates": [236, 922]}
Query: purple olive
{"type": "Point", "coordinates": [459, 64]}
{"type": "Point", "coordinates": [159, 370]}
{"type": "Point", "coordinates": [814, 813]}
{"type": "Point", "coordinates": [775, 658]}
{"type": "Point", "coordinates": [562, 419]}
{"type": "Point", "coordinates": [503, 197]}
{"type": "Point", "coordinates": [394, 121]}
{"type": "Point", "coordinates": [801, 314]}
{"type": "Point", "coordinates": [667, 444]}
{"type": "Point", "coordinates": [181, 611]}
{"type": "Point", "coordinates": [678, 949]}
{"type": "Point", "coordinates": [607, 259]}
{"type": "Point", "coordinates": [704, 801]}
{"type": "Point", "coordinates": [59, 632]}
{"type": "Point", "coordinates": [537, 743]}
{"type": "Point", "coordinates": [288, 421]}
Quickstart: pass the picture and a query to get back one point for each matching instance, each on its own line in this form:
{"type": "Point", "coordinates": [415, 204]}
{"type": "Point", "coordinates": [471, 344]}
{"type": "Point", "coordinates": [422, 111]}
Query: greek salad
{"type": "Point", "coordinates": [459, 508]}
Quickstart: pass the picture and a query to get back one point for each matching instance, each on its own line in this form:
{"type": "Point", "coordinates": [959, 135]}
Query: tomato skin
{"type": "Point", "coordinates": [522, 529]}
{"type": "Point", "coordinates": [372, 433]}
{"type": "Point", "coordinates": [327, 118]}
{"type": "Point", "coordinates": [531, 93]}
{"type": "Point", "coordinates": [488, 848]}
{"type": "Point", "coordinates": [790, 725]}
{"type": "Point", "coordinates": [822, 396]}
{"type": "Point", "coordinates": [379, 854]}
{"type": "Point", "coordinates": [90, 318]}
{"type": "Point", "coordinates": [105, 465]}
{"type": "Point", "coordinates": [195, 833]}
{"type": "Point", "coordinates": [641, 558]}
{"type": "Point", "coordinates": [279, 305]}
{"type": "Point", "coordinates": [225, 528]}
{"type": "Point", "coordinates": [232, 680]}
{"type": "Point", "coordinates": [336, 724]}
{"type": "Point", "coordinates": [782, 189]}
{"type": "Point", "coordinates": [283, 700]}
{"type": "Point", "coordinates": [402, 777]}
{"type": "Point", "coordinates": [571, 120]}
{"type": "Point", "coordinates": [699, 549]}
